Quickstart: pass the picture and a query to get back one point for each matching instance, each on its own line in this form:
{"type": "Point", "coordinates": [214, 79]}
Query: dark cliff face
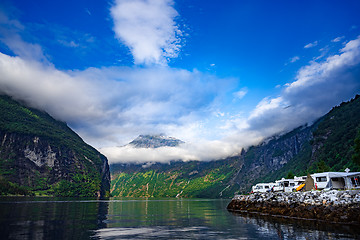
{"type": "Point", "coordinates": [40, 155]}
{"type": "Point", "coordinates": [271, 156]}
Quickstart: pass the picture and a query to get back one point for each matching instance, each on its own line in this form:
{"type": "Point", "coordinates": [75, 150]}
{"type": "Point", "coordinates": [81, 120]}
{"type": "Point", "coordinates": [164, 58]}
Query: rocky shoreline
{"type": "Point", "coordinates": [332, 206]}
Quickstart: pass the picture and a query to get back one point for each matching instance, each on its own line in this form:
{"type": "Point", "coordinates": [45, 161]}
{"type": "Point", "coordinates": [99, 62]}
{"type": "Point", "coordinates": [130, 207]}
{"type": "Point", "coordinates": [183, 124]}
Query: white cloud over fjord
{"type": "Point", "coordinates": [110, 106]}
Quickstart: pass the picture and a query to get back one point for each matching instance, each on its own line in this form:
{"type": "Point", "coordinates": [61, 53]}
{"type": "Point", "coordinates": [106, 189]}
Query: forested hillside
{"type": "Point", "coordinates": [42, 156]}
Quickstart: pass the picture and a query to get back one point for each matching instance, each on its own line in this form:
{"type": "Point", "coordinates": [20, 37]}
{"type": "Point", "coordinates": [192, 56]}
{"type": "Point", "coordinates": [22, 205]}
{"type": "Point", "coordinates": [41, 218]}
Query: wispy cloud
{"type": "Point", "coordinates": [241, 93]}
{"type": "Point", "coordinates": [294, 59]}
{"type": "Point", "coordinates": [338, 39]}
{"type": "Point", "coordinates": [148, 28]}
{"type": "Point", "coordinates": [10, 29]}
{"type": "Point", "coordinates": [310, 45]}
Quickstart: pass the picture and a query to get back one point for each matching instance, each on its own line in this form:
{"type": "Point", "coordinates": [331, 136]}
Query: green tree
{"type": "Point", "coordinates": [322, 167]}
{"type": "Point", "coordinates": [290, 175]}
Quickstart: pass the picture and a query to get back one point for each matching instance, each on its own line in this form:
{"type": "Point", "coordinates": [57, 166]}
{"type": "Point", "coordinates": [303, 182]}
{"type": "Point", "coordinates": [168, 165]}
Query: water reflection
{"type": "Point", "coordinates": [41, 218]}
{"type": "Point", "coordinates": [50, 218]}
{"type": "Point", "coordinates": [290, 228]}
{"type": "Point", "coordinates": [182, 212]}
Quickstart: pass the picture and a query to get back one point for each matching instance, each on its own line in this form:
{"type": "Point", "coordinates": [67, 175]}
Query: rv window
{"type": "Point", "coordinates": [321, 179]}
{"type": "Point", "coordinates": [292, 184]}
{"type": "Point", "coordinates": [286, 184]}
{"type": "Point", "coordinates": [266, 186]}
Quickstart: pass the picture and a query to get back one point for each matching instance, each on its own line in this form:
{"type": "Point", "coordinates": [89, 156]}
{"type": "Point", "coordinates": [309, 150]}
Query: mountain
{"type": "Point", "coordinates": [326, 145]}
{"type": "Point", "coordinates": [42, 156]}
{"type": "Point", "coordinates": [155, 141]}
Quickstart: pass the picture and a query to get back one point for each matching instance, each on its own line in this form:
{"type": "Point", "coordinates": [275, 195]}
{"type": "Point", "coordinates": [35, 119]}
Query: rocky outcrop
{"type": "Point", "coordinates": [332, 206]}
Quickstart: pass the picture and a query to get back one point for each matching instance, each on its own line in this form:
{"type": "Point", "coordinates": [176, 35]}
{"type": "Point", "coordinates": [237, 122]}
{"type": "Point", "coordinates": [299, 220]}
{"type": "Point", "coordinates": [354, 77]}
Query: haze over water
{"type": "Point", "coordinates": [51, 218]}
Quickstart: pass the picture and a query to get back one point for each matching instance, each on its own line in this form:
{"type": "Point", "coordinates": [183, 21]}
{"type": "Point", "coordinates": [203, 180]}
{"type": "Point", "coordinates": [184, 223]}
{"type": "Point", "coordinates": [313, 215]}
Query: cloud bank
{"type": "Point", "coordinates": [148, 28]}
{"type": "Point", "coordinates": [110, 106]}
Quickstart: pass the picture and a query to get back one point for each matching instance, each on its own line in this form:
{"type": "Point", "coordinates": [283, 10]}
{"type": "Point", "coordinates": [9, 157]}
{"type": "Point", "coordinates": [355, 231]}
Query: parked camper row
{"type": "Point", "coordinates": [317, 181]}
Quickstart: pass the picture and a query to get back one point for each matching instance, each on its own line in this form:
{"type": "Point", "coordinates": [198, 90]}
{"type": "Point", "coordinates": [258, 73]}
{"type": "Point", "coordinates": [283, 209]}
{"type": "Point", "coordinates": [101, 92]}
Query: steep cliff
{"type": "Point", "coordinates": [39, 155]}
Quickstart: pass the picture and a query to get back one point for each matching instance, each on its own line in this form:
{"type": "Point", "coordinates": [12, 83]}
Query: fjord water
{"type": "Point", "coordinates": [51, 218]}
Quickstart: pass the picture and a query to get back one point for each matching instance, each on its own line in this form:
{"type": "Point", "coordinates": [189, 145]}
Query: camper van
{"type": "Point", "coordinates": [336, 180]}
{"type": "Point", "coordinates": [284, 185]}
{"type": "Point", "coordinates": [298, 182]}
{"type": "Point", "coordinates": [325, 180]}
{"type": "Point", "coordinates": [262, 187]}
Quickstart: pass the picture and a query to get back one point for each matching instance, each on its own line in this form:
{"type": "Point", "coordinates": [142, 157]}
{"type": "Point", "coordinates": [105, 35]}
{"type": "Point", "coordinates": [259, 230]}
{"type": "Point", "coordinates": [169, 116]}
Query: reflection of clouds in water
{"type": "Point", "coordinates": [158, 233]}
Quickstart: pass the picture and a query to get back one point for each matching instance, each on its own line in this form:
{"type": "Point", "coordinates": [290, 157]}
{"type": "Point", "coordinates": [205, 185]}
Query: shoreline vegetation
{"type": "Point", "coordinates": [331, 206]}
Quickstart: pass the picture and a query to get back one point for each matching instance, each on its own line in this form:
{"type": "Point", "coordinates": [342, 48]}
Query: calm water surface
{"type": "Point", "coordinates": [51, 218]}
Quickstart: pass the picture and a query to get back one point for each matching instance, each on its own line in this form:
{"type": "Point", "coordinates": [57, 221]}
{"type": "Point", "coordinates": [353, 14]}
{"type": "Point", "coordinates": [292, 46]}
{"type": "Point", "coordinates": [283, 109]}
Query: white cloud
{"type": "Point", "coordinates": [310, 45]}
{"type": "Point", "coordinates": [338, 39]}
{"type": "Point", "coordinates": [148, 28]}
{"type": "Point", "coordinates": [112, 105]}
{"type": "Point", "coordinates": [203, 150]}
{"type": "Point", "coordinates": [240, 94]}
{"type": "Point", "coordinates": [294, 59]}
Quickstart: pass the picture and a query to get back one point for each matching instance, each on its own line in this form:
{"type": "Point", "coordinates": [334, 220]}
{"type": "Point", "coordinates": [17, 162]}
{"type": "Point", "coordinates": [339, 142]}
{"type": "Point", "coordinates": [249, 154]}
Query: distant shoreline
{"type": "Point", "coordinates": [333, 206]}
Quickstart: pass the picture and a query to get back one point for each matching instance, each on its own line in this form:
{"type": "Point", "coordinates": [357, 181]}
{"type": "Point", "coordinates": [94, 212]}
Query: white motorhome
{"type": "Point", "coordinates": [336, 180]}
{"type": "Point", "coordinates": [262, 187]}
{"type": "Point", "coordinates": [284, 185]}
{"type": "Point", "coordinates": [299, 181]}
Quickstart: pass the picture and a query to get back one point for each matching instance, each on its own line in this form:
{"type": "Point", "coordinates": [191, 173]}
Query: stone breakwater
{"type": "Point", "coordinates": [331, 206]}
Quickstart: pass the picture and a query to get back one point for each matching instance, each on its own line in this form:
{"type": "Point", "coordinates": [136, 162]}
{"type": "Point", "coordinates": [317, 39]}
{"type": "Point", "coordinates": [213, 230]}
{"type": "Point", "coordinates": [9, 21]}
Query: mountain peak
{"type": "Point", "coordinates": [155, 141]}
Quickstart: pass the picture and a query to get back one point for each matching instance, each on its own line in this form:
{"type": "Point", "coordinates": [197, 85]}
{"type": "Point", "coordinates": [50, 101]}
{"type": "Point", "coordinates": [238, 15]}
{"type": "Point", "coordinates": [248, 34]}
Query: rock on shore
{"type": "Point", "coordinates": [331, 206]}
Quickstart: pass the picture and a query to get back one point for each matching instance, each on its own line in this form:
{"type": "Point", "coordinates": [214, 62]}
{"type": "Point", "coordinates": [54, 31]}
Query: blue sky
{"type": "Point", "coordinates": [220, 75]}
